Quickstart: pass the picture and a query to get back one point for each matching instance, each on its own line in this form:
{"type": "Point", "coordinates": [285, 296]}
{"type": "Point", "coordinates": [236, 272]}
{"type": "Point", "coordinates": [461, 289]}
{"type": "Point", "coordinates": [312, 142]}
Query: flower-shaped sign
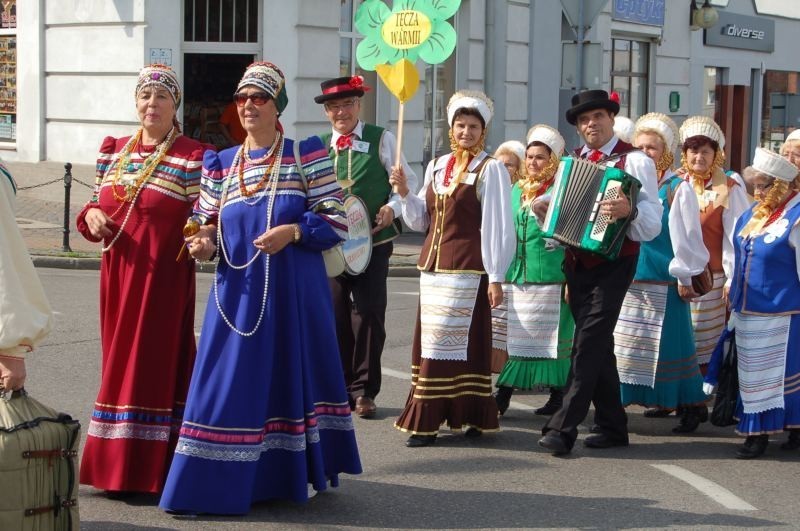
{"type": "Point", "coordinates": [411, 29]}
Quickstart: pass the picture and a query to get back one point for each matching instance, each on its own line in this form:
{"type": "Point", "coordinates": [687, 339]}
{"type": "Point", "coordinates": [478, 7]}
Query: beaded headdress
{"type": "Point", "coordinates": [623, 128]}
{"type": "Point", "coordinates": [702, 126]}
{"type": "Point", "coordinates": [794, 135]}
{"type": "Point", "coordinates": [470, 99]}
{"type": "Point", "coordinates": [512, 146]}
{"type": "Point", "coordinates": [268, 78]}
{"type": "Point", "coordinates": [162, 76]}
{"type": "Point", "coordinates": [774, 165]}
{"type": "Point", "coordinates": [547, 136]}
{"type": "Point", "coordinates": [662, 125]}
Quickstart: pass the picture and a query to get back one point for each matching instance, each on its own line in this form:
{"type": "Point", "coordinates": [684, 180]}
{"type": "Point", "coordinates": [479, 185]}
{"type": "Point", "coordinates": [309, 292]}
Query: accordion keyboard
{"type": "Point", "coordinates": [600, 226]}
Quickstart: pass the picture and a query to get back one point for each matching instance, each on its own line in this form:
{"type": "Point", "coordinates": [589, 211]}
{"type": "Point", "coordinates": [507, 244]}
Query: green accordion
{"type": "Point", "coordinates": [573, 218]}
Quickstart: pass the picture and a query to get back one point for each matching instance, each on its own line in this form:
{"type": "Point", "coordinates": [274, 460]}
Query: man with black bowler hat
{"type": "Point", "coordinates": [363, 156]}
{"type": "Point", "coordinates": [597, 286]}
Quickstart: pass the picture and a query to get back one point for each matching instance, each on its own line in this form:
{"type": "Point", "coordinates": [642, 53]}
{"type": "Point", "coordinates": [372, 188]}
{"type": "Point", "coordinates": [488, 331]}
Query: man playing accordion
{"type": "Point", "coordinates": [597, 286]}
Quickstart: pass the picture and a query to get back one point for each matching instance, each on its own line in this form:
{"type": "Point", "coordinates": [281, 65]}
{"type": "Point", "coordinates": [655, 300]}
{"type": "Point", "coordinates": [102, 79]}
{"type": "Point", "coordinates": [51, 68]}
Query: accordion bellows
{"type": "Point", "coordinates": [573, 216]}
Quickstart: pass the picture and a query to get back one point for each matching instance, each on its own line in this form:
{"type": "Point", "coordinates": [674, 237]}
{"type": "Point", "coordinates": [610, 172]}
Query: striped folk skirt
{"type": "Point", "coordinates": [450, 392]}
{"type": "Point", "coordinates": [709, 316]}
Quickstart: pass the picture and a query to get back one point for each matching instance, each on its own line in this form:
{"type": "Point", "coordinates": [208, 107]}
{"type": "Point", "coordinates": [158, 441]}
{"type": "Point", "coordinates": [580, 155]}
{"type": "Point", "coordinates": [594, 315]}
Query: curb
{"type": "Point", "coordinates": [93, 264]}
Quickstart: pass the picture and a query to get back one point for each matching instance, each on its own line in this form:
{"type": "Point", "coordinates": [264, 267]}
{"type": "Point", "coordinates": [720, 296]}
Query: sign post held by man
{"type": "Point", "coordinates": [394, 40]}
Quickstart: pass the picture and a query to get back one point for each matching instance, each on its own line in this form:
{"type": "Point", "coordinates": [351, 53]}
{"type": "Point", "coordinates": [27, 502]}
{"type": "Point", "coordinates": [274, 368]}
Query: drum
{"type": "Point", "coordinates": [357, 249]}
{"type": "Point", "coordinates": [353, 255]}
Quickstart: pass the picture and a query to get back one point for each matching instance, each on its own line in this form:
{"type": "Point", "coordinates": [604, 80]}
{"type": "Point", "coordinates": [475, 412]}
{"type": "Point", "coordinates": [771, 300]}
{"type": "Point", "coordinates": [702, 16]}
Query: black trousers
{"type": "Point", "coordinates": [359, 303]}
{"type": "Point", "coordinates": [595, 299]}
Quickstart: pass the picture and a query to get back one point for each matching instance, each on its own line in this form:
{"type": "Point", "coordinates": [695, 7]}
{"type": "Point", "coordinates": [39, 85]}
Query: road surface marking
{"type": "Point", "coordinates": [714, 491]}
{"type": "Point", "coordinates": [414, 293]}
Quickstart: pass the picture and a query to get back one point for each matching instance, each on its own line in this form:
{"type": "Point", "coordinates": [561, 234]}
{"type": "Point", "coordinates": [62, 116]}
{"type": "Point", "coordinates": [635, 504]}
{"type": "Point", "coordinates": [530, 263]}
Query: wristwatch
{"type": "Point", "coordinates": [298, 234]}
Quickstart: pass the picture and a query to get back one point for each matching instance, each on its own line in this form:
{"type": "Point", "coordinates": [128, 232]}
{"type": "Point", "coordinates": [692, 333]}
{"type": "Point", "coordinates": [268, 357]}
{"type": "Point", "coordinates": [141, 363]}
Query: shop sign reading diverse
{"type": "Point", "coordinates": [742, 32]}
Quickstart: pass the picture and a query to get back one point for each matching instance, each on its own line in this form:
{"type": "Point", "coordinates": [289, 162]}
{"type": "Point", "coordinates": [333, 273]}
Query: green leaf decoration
{"type": "Point", "coordinates": [370, 17]}
{"type": "Point", "coordinates": [435, 9]}
{"type": "Point", "coordinates": [439, 45]}
{"type": "Point", "coordinates": [412, 29]}
{"type": "Point", "coordinates": [372, 52]}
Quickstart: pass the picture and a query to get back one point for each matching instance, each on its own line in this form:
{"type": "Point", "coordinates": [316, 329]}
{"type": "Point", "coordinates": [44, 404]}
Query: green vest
{"type": "Point", "coordinates": [532, 263]}
{"type": "Point", "coordinates": [370, 180]}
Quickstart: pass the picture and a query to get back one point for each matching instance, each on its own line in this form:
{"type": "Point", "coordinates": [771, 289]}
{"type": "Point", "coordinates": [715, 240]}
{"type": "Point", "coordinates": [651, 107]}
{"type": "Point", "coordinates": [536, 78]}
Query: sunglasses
{"type": "Point", "coordinates": [258, 98]}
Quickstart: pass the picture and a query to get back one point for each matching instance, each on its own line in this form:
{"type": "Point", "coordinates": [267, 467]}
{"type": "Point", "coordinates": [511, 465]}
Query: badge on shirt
{"type": "Point", "coordinates": [360, 146]}
{"type": "Point", "coordinates": [776, 230]}
{"type": "Point", "coordinates": [709, 196]}
{"type": "Point", "coordinates": [470, 178]}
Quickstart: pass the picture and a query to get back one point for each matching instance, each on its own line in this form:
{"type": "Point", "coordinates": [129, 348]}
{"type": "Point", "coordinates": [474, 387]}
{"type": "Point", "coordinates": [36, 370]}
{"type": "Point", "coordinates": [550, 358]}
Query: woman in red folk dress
{"type": "Point", "coordinates": [144, 191]}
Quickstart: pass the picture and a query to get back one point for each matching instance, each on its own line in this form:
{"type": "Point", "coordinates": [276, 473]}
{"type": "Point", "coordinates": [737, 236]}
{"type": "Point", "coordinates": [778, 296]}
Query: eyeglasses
{"type": "Point", "coordinates": [758, 187]}
{"type": "Point", "coordinates": [258, 98]}
{"type": "Point", "coordinates": [344, 106]}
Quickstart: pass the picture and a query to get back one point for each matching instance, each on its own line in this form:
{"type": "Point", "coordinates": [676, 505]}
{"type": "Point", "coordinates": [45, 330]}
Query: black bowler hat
{"type": "Point", "coordinates": [589, 100]}
{"type": "Point", "coordinates": [341, 87]}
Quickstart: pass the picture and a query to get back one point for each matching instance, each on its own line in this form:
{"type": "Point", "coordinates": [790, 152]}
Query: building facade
{"type": "Point", "coordinates": [70, 67]}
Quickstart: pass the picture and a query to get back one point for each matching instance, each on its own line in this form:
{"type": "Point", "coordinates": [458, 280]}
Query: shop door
{"type": "Point", "coordinates": [221, 37]}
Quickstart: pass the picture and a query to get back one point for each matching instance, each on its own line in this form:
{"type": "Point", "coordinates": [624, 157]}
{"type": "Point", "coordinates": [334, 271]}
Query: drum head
{"type": "Point", "coordinates": [358, 246]}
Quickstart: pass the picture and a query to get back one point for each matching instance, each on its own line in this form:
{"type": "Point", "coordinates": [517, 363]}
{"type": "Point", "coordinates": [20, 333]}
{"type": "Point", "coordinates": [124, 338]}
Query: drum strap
{"type": "Point", "coordinates": [296, 149]}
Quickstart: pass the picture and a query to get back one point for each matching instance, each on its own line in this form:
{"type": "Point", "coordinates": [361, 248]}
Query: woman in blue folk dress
{"type": "Point", "coordinates": [267, 412]}
{"type": "Point", "coordinates": [765, 309]}
{"type": "Point", "coordinates": [654, 341]}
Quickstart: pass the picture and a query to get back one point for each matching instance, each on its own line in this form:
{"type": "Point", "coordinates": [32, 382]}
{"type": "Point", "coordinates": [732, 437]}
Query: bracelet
{"type": "Point", "coordinates": [298, 233]}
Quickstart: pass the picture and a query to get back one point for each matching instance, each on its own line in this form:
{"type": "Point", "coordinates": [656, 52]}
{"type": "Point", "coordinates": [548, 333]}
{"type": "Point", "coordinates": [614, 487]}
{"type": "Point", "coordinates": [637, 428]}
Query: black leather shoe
{"type": "Point", "coordinates": [472, 432]}
{"type": "Point", "coordinates": [503, 398]}
{"type": "Point", "coordinates": [595, 428]}
{"type": "Point", "coordinates": [754, 446]}
{"type": "Point", "coordinates": [555, 443]}
{"type": "Point", "coordinates": [794, 441]}
{"type": "Point", "coordinates": [418, 441]}
{"type": "Point", "coordinates": [658, 412]}
{"type": "Point", "coordinates": [553, 403]}
{"type": "Point", "coordinates": [601, 440]}
{"type": "Point", "coordinates": [691, 417]}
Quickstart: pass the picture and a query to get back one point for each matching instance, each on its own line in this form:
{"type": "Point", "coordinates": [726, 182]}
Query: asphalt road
{"type": "Point", "coordinates": [501, 481]}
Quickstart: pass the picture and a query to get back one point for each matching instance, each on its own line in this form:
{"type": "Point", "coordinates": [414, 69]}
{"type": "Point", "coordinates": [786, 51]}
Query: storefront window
{"type": "Point", "coordinates": [780, 107]}
{"type": "Point", "coordinates": [220, 21]}
{"type": "Point", "coordinates": [630, 67]}
{"type": "Point", "coordinates": [348, 40]}
{"type": "Point", "coordinates": [8, 72]}
{"type": "Point", "coordinates": [439, 86]}
{"type": "Point", "coordinates": [712, 83]}
{"type": "Point", "coordinates": [211, 70]}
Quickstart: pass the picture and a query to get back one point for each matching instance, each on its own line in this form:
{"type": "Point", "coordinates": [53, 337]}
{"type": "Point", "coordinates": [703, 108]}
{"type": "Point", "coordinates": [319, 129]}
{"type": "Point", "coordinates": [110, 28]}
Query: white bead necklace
{"type": "Point", "coordinates": [273, 186]}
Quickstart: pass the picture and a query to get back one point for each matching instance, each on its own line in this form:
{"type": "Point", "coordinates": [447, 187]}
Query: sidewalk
{"type": "Point", "coordinates": [40, 215]}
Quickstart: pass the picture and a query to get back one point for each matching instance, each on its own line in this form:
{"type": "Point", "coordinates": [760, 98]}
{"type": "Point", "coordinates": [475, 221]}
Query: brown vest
{"type": "Point", "coordinates": [453, 242]}
{"type": "Point", "coordinates": [714, 231]}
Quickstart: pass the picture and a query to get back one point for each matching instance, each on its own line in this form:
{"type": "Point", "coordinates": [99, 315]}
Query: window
{"type": "Point", "coordinates": [348, 40]}
{"type": "Point", "coordinates": [780, 107]}
{"type": "Point", "coordinates": [439, 86]}
{"type": "Point", "coordinates": [220, 21]}
{"type": "Point", "coordinates": [712, 80]}
{"type": "Point", "coordinates": [630, 67]}
{"type": "Point", "coordinates": [8, 72]}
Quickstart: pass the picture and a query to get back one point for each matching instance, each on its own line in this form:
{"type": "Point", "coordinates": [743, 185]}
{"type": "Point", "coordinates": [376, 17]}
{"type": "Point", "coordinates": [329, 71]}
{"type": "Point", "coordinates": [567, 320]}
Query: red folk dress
{"type": "Point", "coordinates": [146, 320]}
